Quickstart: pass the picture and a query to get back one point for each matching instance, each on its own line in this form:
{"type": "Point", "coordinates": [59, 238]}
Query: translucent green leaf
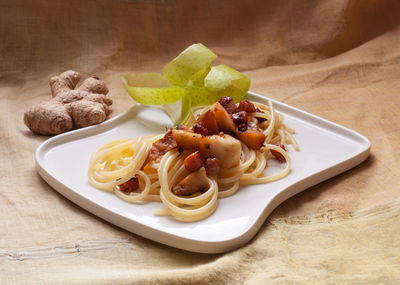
{"type": "Point", "coordinates": [198, 93]}
{"type": "Point", "coordinates": [186, 108]}
{"type": "Point", "coordinates": [151, 89]}
{"type": "Point", "coordinates": [222, 76]}
{"type": "Point", "coordinates": [223, 80]}
{"type": "Point", "coordinates": [192, 60]}
{"type": "Point", "coordinates": [198, 78]}
{"type": "Point", "coordinates": [179, 111]}
{"type": "Point", "coordinates": [201, 96]}
{"type": "Point", "coordinates": [187, 81]}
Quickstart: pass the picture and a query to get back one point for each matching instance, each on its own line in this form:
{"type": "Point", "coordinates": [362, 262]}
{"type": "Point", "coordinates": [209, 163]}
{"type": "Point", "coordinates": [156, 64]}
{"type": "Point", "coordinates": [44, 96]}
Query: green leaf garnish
{"type": "Point", "coordinates": [187, 81]}
{"type": "Point", "coordinates": [226, 81]}
{"type": "Point", "coordinates": [151, 89]}
{"type": "Point", "coordinates": [193, 59]}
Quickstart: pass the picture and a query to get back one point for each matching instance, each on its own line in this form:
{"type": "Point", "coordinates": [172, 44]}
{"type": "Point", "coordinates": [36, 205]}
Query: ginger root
{"type": "Point", "coordinates": [69, 108]}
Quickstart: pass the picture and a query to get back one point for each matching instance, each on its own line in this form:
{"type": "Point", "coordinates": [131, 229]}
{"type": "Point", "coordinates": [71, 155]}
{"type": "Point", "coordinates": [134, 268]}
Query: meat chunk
{"type": "Point", "coordinates": [193, 183]}
{"type": "Point", "coordinates": [239, 117]}
{"type": "Point", "coordinates": [242, 127]}
{"type": "Point", "coordinates": [212, 166]}
{"type": "Point", "coordinates": [259, 119]}
{"type": "Point", "coordinates": [162, 146]}
{"type": "Point", "coordinates": [193, 161]}
{"type": "Point", "coordinates": [278, 155]}
{"type": "Point", "coordinates": [187, 139]}
{"type": "Point", "coordinates": [130, 186]}
{"type": "Point", "coordinates": [200, 129]}
{"type": "Point", "coordinates": [246, 105]}
{"type": "Point", "coordinates": [224, 147]}
{"type": "Point", "coordinates": [228, 104]}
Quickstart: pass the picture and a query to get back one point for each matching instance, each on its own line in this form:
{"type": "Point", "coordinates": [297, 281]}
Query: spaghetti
{"type": "Point", "coordinates": [160, 177]}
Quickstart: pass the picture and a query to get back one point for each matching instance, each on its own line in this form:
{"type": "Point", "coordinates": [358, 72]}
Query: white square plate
{"type": "Point", "coordinates": [326, 149]}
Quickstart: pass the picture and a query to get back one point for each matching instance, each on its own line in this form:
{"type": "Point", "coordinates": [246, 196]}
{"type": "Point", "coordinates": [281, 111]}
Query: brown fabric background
{"type": "Point", "coordinates": [336, 59]}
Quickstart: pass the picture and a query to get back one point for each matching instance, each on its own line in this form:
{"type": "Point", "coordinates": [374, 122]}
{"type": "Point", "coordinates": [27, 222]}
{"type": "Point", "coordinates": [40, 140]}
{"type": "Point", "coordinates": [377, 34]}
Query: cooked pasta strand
{"type": "Point", "coordinates": [119, 161]}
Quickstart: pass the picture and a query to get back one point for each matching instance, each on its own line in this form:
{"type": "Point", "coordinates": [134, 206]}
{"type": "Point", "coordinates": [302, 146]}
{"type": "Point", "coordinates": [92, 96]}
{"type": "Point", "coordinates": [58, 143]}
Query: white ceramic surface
{"type": "Point", "coordinates": [326, 149]}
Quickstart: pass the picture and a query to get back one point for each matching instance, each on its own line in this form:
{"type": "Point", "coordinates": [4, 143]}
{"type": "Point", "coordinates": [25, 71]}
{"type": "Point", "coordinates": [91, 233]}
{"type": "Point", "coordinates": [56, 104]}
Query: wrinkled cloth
{"type": "Point", "coordinates": [339, 60]}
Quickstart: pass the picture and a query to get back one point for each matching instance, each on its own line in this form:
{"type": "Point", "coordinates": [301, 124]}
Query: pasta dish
{"type": "Point", "coordinates": [189, 167]}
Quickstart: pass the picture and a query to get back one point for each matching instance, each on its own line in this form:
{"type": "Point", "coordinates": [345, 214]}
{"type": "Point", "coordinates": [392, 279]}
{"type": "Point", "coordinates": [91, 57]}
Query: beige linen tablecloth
{"type": "Point", "coordinates": [336, 59]}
